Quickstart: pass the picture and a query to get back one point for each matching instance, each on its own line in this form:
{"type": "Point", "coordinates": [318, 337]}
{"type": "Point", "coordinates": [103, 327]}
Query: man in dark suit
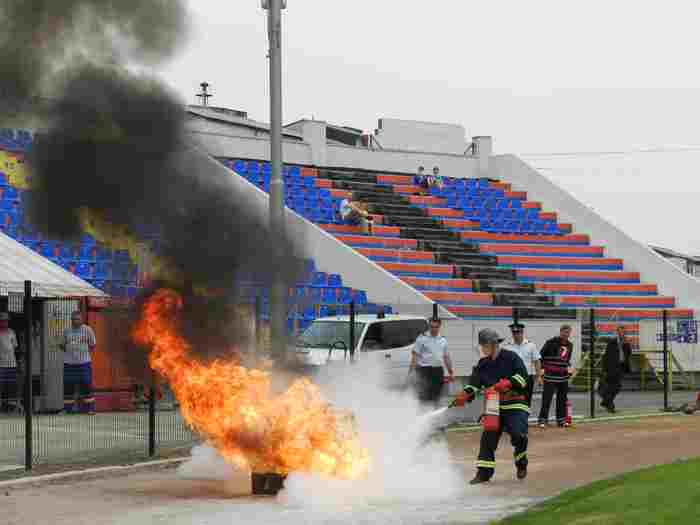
{"type": "Point", "coordinates": [616, 362]}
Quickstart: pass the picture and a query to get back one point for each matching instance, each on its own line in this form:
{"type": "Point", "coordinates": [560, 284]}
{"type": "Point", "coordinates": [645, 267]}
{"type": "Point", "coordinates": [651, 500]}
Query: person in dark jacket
{"type": "Point", "coordinates": [503, 371]}
{"type": "Point", "coordinates": [556, 363]}
{"type": "Point", "coordinates": [616, 362]}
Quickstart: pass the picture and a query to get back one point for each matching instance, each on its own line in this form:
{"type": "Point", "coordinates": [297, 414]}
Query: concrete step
{"type": "Point", "coordinates": [400, 210]}
{"type": "Point", "coordinates": [349, 176]}
{"type": "Point", "coordinates": [503, 287]}
{"type": "Point", "coordinates": [427, 234]}
{"type": "Point", "coordinates": [484, 273]}
{"type": "Point", "coordinates": [535, 301]}
{"type": "Point", "coordinates": [457, 247]}
{"type": "Point", "coordinates": [361, 186]}
{"type": "Point", "coordinates": [380, 197]}
{"type": "Point", "coordinates": [466, 258]}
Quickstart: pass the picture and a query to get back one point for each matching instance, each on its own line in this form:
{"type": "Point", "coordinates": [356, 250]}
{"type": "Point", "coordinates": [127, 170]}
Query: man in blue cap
{"type": "Point", "coordinates": [504, 372]}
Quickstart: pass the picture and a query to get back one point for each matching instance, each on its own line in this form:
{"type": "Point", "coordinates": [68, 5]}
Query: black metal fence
{"type": "Point", "coordinates": [35, 429]}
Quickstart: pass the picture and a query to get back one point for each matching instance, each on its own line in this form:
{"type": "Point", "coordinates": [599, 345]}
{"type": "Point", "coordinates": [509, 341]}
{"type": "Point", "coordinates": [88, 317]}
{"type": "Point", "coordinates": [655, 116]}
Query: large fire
{"type": "Point", "coordinates": [234, 409]}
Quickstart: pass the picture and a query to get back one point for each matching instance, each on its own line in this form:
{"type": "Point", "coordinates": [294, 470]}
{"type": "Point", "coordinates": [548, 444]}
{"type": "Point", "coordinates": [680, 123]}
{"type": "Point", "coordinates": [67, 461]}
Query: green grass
{"type": "Point", "coordinates": [660, 495]}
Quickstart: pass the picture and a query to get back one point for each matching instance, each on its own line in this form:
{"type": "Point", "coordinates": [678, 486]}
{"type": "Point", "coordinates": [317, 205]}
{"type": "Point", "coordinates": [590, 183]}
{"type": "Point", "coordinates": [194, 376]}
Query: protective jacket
{"type": "Point", "coordinates": [506, 366]}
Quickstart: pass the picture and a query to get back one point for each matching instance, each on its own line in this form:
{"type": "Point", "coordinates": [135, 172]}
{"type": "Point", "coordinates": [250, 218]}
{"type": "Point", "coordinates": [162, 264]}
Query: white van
{"type": "Point", "coordinates": [387, 341]}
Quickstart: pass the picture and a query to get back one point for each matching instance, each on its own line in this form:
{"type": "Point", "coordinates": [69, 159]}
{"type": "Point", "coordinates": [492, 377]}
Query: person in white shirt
{"type": "Point", "coordinates": [428, 357]}
{"type": "Point", "coordinates": [78, 345]}
{"type": "Point", "coordinates": [8, 362]}
{"type": "Point", "coordinates": [530, 355]}
{"type": "Point", "coordinates": [355, 213]}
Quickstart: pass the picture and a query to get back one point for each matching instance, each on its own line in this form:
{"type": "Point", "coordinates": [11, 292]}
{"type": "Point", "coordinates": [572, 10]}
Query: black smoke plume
{"type": "Point", "coordinates": [113, 142]}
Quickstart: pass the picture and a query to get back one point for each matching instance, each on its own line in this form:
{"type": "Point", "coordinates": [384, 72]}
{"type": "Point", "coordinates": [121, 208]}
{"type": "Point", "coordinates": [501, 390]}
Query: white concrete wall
{"type": "Point", "coordinates": [412, 135]}
{"type": "Point", "coordinates": [329, 254]}
{"type": "Point", "coordinates": [638, 257]}
{"type": "Point", "coordinates": [230, 143]}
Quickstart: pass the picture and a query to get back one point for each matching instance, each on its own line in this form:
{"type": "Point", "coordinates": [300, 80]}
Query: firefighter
{"type": "Point", "coordinates": [558, 368]}
{"type": "Point", "coordinates": [504, 372]}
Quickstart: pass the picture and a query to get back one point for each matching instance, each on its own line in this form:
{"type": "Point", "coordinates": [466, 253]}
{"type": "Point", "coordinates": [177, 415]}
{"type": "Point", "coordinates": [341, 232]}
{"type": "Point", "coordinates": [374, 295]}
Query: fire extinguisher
{"type": "Point", "coordinates": [491, 419]}
{"type": "Point", "coordinates": [569, 413]}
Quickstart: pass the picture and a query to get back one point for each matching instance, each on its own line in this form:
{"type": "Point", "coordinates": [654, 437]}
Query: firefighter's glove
{"type": "Point", "coordinates": [503, 386]}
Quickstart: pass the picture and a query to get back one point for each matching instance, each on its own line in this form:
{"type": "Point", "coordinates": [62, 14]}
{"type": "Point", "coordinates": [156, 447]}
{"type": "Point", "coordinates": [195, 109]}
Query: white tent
{"type": "Point", "coordinates": [18, 264]}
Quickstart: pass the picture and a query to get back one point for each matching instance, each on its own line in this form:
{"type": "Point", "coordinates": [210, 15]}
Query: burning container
{"type": "Point", "coordinates": [268, 484]}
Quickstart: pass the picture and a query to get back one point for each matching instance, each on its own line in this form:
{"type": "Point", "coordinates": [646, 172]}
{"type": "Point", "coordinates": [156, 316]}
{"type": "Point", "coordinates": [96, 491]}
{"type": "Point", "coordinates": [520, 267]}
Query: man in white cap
{"type": "Point", "coordinates": [8, 362]}
{"type": "Point", "coordinates": [504, 372]}
{"type": "Point", "coordinates": [530, 355]}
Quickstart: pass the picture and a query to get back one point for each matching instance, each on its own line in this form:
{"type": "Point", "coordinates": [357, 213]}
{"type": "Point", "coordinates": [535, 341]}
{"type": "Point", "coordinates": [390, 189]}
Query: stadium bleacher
{"type": "Point", "coordinates": [113, 271]}
{"type": "Point", "coordinates": [476, 246]}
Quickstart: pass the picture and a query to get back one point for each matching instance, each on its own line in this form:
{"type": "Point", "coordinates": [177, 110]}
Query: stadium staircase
{"type": "Point", "coordinates": [477, 247]}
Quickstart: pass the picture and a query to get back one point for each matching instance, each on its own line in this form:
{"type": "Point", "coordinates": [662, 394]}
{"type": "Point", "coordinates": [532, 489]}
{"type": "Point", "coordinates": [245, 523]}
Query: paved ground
{"type": "Point", "coordinates": [560, 459]}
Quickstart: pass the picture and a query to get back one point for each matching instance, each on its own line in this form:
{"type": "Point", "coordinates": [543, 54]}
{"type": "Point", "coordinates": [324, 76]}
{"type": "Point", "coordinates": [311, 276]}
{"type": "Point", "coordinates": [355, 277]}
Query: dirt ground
{"type": "Point", "coordinates": [562, 459]}
{"type": "Point", "coordinates": [559, 459]}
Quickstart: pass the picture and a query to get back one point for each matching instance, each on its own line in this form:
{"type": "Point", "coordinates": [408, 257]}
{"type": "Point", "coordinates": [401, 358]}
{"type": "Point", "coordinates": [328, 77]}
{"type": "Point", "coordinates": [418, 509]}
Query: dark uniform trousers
{"type": "Point", "coordinates": [562, 391]}
{"type": "Point", "coordinates": [513, 422]}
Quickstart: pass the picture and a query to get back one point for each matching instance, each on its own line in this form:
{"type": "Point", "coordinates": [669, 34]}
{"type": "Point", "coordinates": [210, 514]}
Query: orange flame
{"type": "Point", "coordinates": [233, 407]}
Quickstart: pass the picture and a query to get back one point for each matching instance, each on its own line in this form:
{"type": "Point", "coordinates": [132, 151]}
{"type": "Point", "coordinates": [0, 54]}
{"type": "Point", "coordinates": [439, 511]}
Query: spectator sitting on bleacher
{"type": "Point", "coordinates": [421, 179]}
{"type": "Point", "coordinates": [435, 180]}
{"type": "Point", "coordinates": [428, 182]}
{"type": "Point", "coordinates": [355, 213]}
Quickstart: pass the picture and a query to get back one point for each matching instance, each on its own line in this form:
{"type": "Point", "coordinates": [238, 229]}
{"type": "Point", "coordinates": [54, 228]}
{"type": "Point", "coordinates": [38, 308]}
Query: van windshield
{"type": "Point", "coordinates": [324, 334]}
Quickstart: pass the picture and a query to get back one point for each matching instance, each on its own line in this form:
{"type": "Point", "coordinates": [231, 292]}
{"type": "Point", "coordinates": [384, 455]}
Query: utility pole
{"type": "Point", "coordinates": [278, 295]}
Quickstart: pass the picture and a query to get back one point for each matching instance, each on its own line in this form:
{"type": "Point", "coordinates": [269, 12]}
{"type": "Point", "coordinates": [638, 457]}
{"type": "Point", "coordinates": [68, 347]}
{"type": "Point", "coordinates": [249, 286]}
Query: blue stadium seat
{"type": "Point", "coordinates": [84, 270]}
{"type": "Point", "coordinates": [520, 214]}
{"type": "Point", "coordinates": [267, 168]}
{"type": "Point", "coordinates": [329, 295]}
{"type": "Point", "coordinates": [309, 312]}
{"type": "Point", "coordinates": [551, 227]}
{"type": "Point", "coordinates": [325, 311]}
{"type": "Point", "coordinates": [87, 239]}
{"type": "Point", "coordinates": [319, 279]}
{"type": "Point", "coordinates": [6, 205]}
{"type": "Point", "coordinates": [335, 279]}
{"type": "Point", "coordinates": [344, 295]}
{"type": "Point", "coordinates": [539, 227]}
{"type": "Point", "coordinates": [88, 252]}
{"type": "Point", "coordinates": [3, 179]}
{"type": "Point", "coordinates": [294, 171]}
{"type": "Point", "coordinates": [324, 193]}
{"type": "Point", "coordinates": [309, 182]}
{"type": "Point", "coordinates": [253, 167]}
{"type": "Point", "coordinates": [98, 283]}
{"type": "Point", "coordinates": [240, 167]}
{"type": "Point", "coordinates": [10, 194]}
{"type": "Point", "coordinates": [315, 216]}
{"type": "Point", "coordinates": [360, 297]}
{"type": "Point", "coordinates": [533, 214]}
{"type": "Point", "coordinates": [300, 292]}
{"type": "Point", "coordinates": [483, 183]}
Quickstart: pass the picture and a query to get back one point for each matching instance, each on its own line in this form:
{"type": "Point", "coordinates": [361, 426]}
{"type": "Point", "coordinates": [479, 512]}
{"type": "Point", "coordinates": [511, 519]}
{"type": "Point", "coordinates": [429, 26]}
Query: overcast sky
{"type": "Point", "coordinates": [541, 77]}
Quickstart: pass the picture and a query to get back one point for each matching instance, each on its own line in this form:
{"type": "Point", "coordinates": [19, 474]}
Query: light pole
{"type": "Point", "coordinates": [278, 292]}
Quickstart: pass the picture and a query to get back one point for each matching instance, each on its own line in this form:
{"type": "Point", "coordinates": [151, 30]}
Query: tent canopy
{"type": "Point", "coordinates": [18, 264]}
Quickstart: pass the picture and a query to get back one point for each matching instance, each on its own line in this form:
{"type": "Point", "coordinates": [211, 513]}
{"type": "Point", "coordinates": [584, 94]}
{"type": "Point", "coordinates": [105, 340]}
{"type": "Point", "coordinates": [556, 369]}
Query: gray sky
{"type": "Point", "coordinates": [541, 77]}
